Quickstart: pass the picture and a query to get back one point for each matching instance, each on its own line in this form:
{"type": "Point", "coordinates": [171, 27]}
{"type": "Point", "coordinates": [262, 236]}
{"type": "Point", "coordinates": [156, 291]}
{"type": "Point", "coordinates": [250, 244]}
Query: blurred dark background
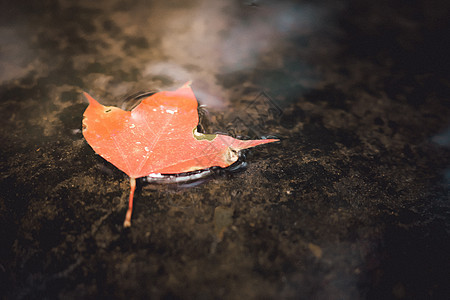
{"type": "Point", "coordinates": [352, 204]}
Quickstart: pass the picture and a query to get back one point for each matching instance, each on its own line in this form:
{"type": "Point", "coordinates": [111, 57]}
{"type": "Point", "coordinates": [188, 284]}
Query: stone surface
{"type": "Point", "coordinates": [353, 203]}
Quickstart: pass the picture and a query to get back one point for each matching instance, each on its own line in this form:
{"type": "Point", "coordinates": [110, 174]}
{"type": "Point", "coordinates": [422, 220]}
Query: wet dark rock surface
{"type": "Point", "coordinates": [353, 203]}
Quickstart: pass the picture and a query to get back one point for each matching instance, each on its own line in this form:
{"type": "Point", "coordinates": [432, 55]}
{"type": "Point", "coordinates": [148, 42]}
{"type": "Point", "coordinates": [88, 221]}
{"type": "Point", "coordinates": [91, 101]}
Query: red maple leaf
{"type": "Point", "coordinates": [158, 136]}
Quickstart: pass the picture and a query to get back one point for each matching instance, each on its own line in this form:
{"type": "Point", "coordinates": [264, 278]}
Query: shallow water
{"type": "Point", "coordinates": [353, 203]}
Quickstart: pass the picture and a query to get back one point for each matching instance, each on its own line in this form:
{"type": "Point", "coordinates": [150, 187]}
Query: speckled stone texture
{"type": "Point", "coordinates": [352, 204]}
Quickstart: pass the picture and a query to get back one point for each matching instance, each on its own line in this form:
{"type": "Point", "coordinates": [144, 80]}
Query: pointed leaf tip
{"type": "Point", "coordinates": [187, 84]}
{"type": "Point", "coordinates": [91, 100]}
{"type": "Point", "coordinates": [245, 144]}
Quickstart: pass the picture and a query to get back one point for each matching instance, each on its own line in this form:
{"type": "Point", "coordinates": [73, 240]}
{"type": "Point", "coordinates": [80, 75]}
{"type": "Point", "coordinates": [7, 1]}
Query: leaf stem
{"type": "Point", "coordinates": [127, 222]}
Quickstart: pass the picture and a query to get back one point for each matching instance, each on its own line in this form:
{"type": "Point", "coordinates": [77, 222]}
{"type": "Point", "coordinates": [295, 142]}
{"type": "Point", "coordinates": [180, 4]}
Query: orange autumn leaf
{"type": "Point", "coordinates": [158, 136]}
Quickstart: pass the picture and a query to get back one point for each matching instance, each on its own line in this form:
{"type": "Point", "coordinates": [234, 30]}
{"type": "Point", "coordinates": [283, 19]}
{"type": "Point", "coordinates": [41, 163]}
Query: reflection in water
{"type": "Point", "coordinates": [191, 179]}
{"type": "Point", "coordinates": [162, 44]}
{"type": "Point", "coordinates": [210, 38]}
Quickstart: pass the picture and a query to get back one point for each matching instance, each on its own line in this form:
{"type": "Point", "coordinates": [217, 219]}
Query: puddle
{"type": "Point", "coordinates": [353, 203]}
{"type": "Point", "coordinates": [191, 179]}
